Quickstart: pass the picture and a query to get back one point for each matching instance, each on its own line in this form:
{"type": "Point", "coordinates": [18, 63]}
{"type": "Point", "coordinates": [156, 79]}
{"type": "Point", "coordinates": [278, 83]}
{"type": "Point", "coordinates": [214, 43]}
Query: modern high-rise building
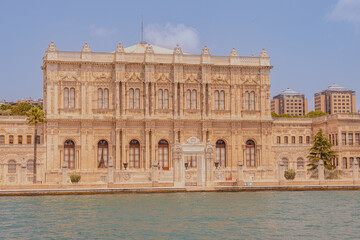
{"type": "Point", "coordinates": [335, 99]}
{"type": "Point", "coordinates": [289, 102]}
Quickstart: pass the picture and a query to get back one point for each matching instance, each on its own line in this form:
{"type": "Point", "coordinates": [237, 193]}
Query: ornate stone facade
{"type": "Point", "coordinates": [149, 116]}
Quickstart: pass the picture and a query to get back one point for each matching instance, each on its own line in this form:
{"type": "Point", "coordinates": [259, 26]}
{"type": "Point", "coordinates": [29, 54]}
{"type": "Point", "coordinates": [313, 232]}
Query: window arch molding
{"type": "Point", "coordinates": [69, 153]}
{"type": "Point", "coordinates": [103, 153]}
{"type": "Point", "coordinates": [12, 166]}
{"type": "Point", "coordinates": [164, 153]}
{"type": "Point", "coordinates": [250, 152]}
{"type": "Point", "coordinates": [220, 157]}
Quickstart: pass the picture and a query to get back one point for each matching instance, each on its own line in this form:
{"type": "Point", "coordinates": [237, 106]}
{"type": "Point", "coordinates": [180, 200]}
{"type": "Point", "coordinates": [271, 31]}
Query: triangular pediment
{"type": "Point", "coordinates": [133, 77]}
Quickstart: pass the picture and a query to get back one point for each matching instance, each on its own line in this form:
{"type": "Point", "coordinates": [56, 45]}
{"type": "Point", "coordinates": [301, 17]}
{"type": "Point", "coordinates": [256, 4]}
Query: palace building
{"type": "Point", "coordinates": [150, 116]}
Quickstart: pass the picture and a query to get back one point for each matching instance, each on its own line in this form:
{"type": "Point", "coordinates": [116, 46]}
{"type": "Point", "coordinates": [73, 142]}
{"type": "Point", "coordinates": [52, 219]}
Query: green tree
{"type": "Point", "coordinates": [35, 116]}
{"type": "Point", "coordinates": [21, 109]}
{"type": "Point", "coordinates": [321, 150]}
{"type": "Point", "coordinates": [313, 114]}
{"type": "Point", "coordinates": [6, 107]}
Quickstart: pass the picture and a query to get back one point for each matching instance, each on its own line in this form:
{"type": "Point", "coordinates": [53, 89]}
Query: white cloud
{"type": "Point", "coordinates": [346, 10]}
{"type": "Point", "coordinates": [169, 35]}
{"type": "Point", "coordinates": [97, 31]}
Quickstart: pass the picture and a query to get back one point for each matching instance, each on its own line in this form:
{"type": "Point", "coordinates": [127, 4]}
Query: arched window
{"type": "Point", "coordinates": [307, 139]}
{"type": "Point", "coordinates": [222, 100]}
{"type": "Point", "coordinates": [28, 139]}
{"type": "Point", "coordinates": [166, 99]}
{"type": "Point", "coordinates": [188, 99]}
{"type": "Point", "coordinates": [20, 139]}
{"type": "Point", "coordinates": [345, 163]}
{"type": "Point", "coordinates": [300, 163]}
{"type": "Point", "coordinates": [12, 166]}
{"type": "Point", "coordinates": [106, 98]}
{"type": "Point", "coordinates": [131, 98]}
{"type": "Point", "coordinates": [11, 139]}
{"type": "Point", "coordinates": [103, 149]}
{"type": "Point", "coordinates": [137, 98]}
{"type": "Point", "coordinates": [286, 140]}
{"type": "Point", "coordinates": [72, 98]}
{"type": "Point", "coordinates": [2, 139]}
{"type": "Point", "coordinates": [69, 153]}
{"type": "Point", "coordinates": [221, 153]}
{"type": "Point", "coordinates": [193, 99]}
{"type": "Point", "coordinates": [351, 162]}
{"type": "Point", "coordinates": [278, 140]}
{"type": "Point", "coordinates": [66, 97]}
{"type": "Point", "coordinates": [286, 163]}
{"type": "Point", "coordinates": [163, 149]}
{"type": "Point", "coordinates": [160, 98]}
{"type": "Point", "coordinates": [134, 154]}
{"type": "Point", "coordinates": [217, 98]}
{"type": "Point", "coordinates": [250, 153]}
{"type": "Point", "coordinates": [300, 139]}
{"type": "Point", "coordinates": [293, 139]}
{"type": "Point", "coordinates": [247, 98]}
{"type": "Point", "coordinates": [30, 165]}
{"type": "Point", "coordinates": [252, 101]}
{"type": "Point", "coordinates": [100, 98]}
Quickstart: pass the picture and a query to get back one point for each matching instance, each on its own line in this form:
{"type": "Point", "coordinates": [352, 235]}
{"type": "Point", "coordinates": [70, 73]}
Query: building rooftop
{"type": "Point", "coordinates": [336, 87]}
{"type": "Point", "coordinates": [141, 48]}
{"type": "Point", "coordinates": [289, 91]}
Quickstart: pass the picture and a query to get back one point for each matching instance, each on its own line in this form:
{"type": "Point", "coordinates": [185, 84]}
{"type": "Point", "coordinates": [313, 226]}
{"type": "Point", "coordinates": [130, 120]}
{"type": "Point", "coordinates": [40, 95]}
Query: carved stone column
{"type": "Point", "coordinates": [281, 170]}
{"type": "Point", "coordinates": [321, 170]}
{"type": "Point", "coordinates": [155, 174]}
{"type": "Point", "coordinates": [240, 173]}
{"type": "Point", "coordinates": [110, 171]}
{"type": "Point", "coordinates": [147, 148]}
{"type": "Point", "coordinates": [64, 173]}
{"type": "Point", "coordinates": [23, 173]}
{"type": "Point", "coordinates": [356, 169]}
{"type": "Point", "coordinates": [209, 156]}
{"type": "Point", "coordinates": [179, 170]}
{"type": "Point", "coordinates": [146, 96]}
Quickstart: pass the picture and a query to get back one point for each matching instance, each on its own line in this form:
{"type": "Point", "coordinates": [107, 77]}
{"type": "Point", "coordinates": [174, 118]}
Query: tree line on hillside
{"type": "Point", "coordinates": [20, 109]}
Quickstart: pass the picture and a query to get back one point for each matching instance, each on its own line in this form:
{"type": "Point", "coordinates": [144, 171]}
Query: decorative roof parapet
{"type": "Point", "coordinates": [119, 53]}
{"type": "Point", "coordinates": [86, 52]}
{"type": "Point", "coordinates": [51, 52]}
{"type": "Point", "coordinates": [234, 57]}
{"type": "Point", "coordinates": [264, 58]}
{"type": "Point", "coordinates": [205, 55]}
{"type": "Point", "coordinates": [52, 47]}
{"type": "Point", "coordinates": [178, 54]}
{"type": "Point", "coordinates": [149, 53]}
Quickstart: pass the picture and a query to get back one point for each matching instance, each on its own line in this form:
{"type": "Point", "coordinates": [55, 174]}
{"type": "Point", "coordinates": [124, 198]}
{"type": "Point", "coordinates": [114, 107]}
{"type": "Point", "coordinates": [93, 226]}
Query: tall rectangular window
{"type": "Point", "coordinates": [28, 139]}
{"type": "Point", "coordinates": [343, 138]}
{"type": "Point", "coordinates": [2, 139]}
{"type": "Point", "coordinates": [11, 139]}
{"type": "Point", "coordinates": [293, 139]}
{"type": "Point", "coordinates": [37, 139]}
{"type": "Point", "coordinates": [278, 141]}
{"type": "Point", "coordinates": [357, 141]}
{"type": "Point", "coordinates": [351, 142]}
{"type": "Point", "coordinates": [20, 140]}
{"type": "Point", "coordinates": [307, 139]}
{"type": "Point", "coordinates": [300, 139]}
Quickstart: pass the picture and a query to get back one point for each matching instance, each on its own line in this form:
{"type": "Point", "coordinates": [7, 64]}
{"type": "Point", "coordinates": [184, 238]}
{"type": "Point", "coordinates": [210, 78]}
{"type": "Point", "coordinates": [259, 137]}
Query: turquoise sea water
{"type": "Point", "coordinates": [235, 215]}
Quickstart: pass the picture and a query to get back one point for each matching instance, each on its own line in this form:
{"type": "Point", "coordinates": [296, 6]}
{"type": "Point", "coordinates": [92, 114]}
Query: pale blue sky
{"type": "Point", "coordinates": [312, 44]}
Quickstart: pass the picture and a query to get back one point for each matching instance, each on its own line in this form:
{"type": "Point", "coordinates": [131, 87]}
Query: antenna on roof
{"type": "Point", "coordinates": [142, 30]}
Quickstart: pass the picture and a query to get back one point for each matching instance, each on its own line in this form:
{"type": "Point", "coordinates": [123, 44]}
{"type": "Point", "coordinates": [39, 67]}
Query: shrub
{"type": "Point", "coordinates": [333, 174]}
{"type": "Point", "coordinates": [290, 174]}
{"type": "Point", "coordinates": [75, 178]}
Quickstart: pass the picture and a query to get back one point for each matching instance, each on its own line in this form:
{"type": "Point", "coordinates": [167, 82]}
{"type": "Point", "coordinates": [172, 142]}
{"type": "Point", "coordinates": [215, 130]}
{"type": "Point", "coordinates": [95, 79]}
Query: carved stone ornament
{"type": "Point", "coordinates": [120, 48]}
{"type": "Point", "coordinates": [69, 75]}
{"type": "Point", "coordinates": [102, 75]}
{"type": "Point", "coordinates": [264, 53]}
{"type": "Point", "coordinates": [205, 50]}
{"type": "Point", "coordinates": [219, 80]}
{"type": "Point", "coordinates": [86, 48]}
{"type": "Point", "coordinates": [191, 78]}
{"type": "Point", "coordinates": [52, 47]}
{"type": "Point", "coordinates": [234, 53]}
{"type": "Point", "coordinates": [192, 140]}
{"type": "Point", "coordinates": [149, 49]}
{"type": "Point", "coordinates": [162, 78]}
{"type": "Point", "coordinates": [133, 77]}
{"type": "Point", "coordinates": [178, 50]}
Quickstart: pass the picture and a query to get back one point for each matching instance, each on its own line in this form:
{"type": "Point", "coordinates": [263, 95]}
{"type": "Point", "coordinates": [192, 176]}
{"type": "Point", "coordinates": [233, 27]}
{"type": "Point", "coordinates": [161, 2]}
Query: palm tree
{"type": "Point", "coordinates": [35, 115]}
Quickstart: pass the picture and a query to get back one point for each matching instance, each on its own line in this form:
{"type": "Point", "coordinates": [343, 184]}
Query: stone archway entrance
{"type": "Point", "coordinates": [198, 158]}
